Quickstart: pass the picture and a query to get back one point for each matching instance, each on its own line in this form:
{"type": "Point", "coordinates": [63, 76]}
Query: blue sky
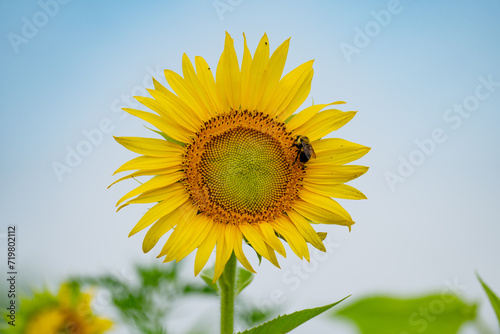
{"type": "Point", "coordinates": [438, 222]}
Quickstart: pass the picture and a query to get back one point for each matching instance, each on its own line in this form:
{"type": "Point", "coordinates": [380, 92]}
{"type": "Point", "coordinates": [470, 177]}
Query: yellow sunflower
{"type": "Point", "coordinates": [67, 313]}
{"type": "Point", "coordinates": [237, 166]}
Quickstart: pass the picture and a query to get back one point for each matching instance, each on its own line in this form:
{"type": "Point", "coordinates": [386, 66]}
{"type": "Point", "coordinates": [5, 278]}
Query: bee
{"type": "Point", "coordinates": [306, 150]}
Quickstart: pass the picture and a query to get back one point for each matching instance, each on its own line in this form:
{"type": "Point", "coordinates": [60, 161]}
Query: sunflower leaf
{"type": "Point", "coordinates": [243, 279]}
{"type": "Point", "coordinates": [288, 322]}
{"type": "Point", "coordinates": [433, 314]}
{"type": "Point", "coordinates": [208, 277]}
{"type": "Point", "coordinates": [495, 301]}
{"type": "Point", "coordinates": [290, 118]}
{"type": "Point", "coordinates": [166, 137]}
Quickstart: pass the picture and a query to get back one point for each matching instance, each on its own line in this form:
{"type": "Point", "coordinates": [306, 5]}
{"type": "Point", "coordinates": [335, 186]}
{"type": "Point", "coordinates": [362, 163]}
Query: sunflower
{"type": "Point", "coordinates": [67, 313]}
{"type": "Point", "coordinates": [236, 166]}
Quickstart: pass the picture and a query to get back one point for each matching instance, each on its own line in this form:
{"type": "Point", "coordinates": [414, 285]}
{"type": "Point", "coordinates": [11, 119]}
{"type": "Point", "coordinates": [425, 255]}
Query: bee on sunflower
{"type": "Point", "coordinates": [236, 165]}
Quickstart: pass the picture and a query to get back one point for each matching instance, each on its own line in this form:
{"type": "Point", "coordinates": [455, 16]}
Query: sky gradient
{"type": "Point", "coordinates": [423, 76]}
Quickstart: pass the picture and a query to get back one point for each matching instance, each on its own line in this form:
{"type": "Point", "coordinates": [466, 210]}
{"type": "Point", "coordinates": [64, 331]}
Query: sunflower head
{"type": "Point", "coordinates": [236, 164]}
{"type": "Point", "coordinates": [69, 312]}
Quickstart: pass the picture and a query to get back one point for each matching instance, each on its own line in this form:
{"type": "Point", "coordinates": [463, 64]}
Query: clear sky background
{"type": "Point", "coordinates": [425, 80]}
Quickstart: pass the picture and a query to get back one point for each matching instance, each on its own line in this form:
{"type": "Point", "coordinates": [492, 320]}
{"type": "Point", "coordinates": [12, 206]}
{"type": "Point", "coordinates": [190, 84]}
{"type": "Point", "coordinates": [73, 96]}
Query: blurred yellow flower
{"type": "Point", "coordinates": [236, 164]}
{"type": "Point", "coordinates": [67, 313]}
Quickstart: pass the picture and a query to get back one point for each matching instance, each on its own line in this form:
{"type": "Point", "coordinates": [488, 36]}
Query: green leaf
{"type": "Point", "coordinates": [284, 324]}
{"type": "Point", "coordinates": [495, 302]}
{"type": "Point", "coordinates": [289, 118]}
{"type": "Point", "coordinates": [251, 315]}
{"type": "Point", "coordinates": [167, 137]}
{"type": "Point", "coordinates": [208, 276]}
{"type": "Point", "coordinates": [243, 278]}
{"type": "Point", "coordinates": [432, 314]}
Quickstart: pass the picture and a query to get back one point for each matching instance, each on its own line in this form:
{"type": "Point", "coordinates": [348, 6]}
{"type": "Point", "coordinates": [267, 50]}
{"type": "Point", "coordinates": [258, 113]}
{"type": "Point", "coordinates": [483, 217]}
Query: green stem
{"type": "Point", "coordinates": [227, 294]}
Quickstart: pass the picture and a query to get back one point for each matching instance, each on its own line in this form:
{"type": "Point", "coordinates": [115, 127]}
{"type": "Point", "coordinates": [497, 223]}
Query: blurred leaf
{"type": "Point", "coordinates": [243, 278]}
{"type": "Point", "coordinates": [250, 315]}
{"type": "Point", "coordinates": [188, 289]}
{"type": "Point", "coordinates": [284, 324]}
{"type": "Point", "coordinates": [434, 314]}
{"type": "Point", "coordinates": [208, 277]}
{"type": "Point", "coordinates": [495, 302]}
{"type": "Point", "coordinates": [145, 299]}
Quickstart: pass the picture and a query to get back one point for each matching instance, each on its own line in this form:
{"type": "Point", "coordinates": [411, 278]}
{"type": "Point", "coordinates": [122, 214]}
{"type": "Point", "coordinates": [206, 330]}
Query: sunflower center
{"type": "Point", "coordinates": [244, 169]}
{"type": "Point", "coordinates": [241, 168]}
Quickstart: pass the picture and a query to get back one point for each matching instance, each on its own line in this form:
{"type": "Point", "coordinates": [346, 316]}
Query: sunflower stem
{"type": "Point", "coordinates": [227, 294]}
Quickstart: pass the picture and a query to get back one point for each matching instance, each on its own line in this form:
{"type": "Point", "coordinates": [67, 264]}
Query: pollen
{"type": "Point", "coordinates": [241, 167]}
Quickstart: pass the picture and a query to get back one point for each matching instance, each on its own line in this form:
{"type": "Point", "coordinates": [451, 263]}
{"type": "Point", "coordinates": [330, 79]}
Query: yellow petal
{"type": "Point", "coordinates": [325, 122]}
{"type": "Point", "coordinates": [186, 237]}
{"type": "Point", "coordinates": [161, 209]}
{"type": "Point", "coordinates": [271, 238]}
{"type": "Point", "coordinates": [195, 239]}
{"type": "Point", "coordinates": [305, 115]}
{"type": "Point", "coordinates": [306, 230]}
{"type": "Point", "coordinates": [326, 174]}
{"type": "Point", "coordinates": [152, 196]}
{"type": "Point", "coordinates": [223, 253]}
{"type": "Point", "coordinates": [320, 215]}
{"type": "Point", "coordinates": [335, 190]}
{"type": "Point", "coordinates": [175, 132]}
{"type": "Point", "coordinates": [228, 76]}
{"type": "Point", "coordinates": [208, 83]}
{"type": "Point", "coordinates": [160, 105]}
{"type": "Point", "coordinates": [150, 146]}
{"type": "Point", "coordinates": [255, 238]}
{"type": "Point", "coordinates": [272, 256]}
{"type": "Point", "coordinates": [165, 224]}
{"type": "Point", "coordinates": [148, 172]}
{"type": "Point", "coordinates": [273, 73]}
{"type": "Point", "coordinates": [289, 232]}
{"type": "Point", "coordinates": [156, 182]}
{"type": "Point", "coordinates": [176, 105]}
{"type": "Point", "coordinates": [205, 249]}
{"type": "Point", "coordinates": [99, 325]}
{"type": "Point", "coordinates": [187, 94]}
{"type": "Point", "coordinates": [192, 79]}
{"type": "Point", "coordinates": [182, 117]}
{"type": "Point", "coordinates": [289, 89]}
{"type": "Point", "coordinates": [238, 250]}
{"type": "Point", "coordinates": [336, 151]}
{"type": "Point", "coordinates": [245, 74]}
{"type": "Point", "coordinates": [325, 203]}
{"type": "Point", "coordinates": [256, 83]}
{"type": "Point", "coordinates": [146, 162]}
{"type": "Point", "coordinates": [298, 98]}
